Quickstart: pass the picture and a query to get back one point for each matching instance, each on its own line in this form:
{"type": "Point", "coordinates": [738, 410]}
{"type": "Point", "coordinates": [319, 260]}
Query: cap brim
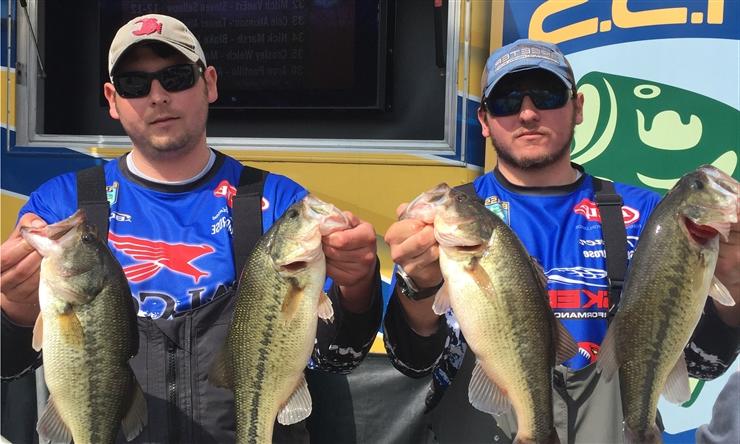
{"type": "Point", "coordinates": [193, 57]}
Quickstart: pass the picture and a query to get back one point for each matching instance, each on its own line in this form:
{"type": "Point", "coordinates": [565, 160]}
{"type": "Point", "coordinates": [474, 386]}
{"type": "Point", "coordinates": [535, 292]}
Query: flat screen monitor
{"type": "Point", "coordinates": [281, 54]}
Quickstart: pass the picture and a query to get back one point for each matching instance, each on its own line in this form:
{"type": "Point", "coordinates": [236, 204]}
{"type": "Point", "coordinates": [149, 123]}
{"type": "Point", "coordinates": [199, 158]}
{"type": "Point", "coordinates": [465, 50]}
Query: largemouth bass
{"type": "Point", "coordinates": [87, 330]}
{"type": "Point", "coordinates": [670, 276]}
{"type": "Point", "coordinates": [498, 295]}
{"type": "Point", "coordinates": [280, 298]}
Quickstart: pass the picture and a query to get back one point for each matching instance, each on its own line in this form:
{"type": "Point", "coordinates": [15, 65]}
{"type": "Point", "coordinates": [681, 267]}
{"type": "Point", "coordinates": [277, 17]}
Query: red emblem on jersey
{"type": "Point", "coordinates": [227, 190]}
{"type": "Point", "coordinates": [589, 350]}
{"type": "Point", "coordinates": [157, 255]}
{"type": "Point", "coordinates": [148, 26]}
{"type": "Point", "coordinates": [590, 211]}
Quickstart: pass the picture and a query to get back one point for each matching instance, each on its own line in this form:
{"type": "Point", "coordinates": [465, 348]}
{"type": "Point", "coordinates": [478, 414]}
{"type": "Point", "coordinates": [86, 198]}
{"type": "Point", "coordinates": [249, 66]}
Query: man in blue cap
{"type": "Point", "coordinates": [529, 108]}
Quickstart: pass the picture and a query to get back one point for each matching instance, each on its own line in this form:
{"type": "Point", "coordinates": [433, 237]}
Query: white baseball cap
{"type": "Point", "coordinates": [158, 28]}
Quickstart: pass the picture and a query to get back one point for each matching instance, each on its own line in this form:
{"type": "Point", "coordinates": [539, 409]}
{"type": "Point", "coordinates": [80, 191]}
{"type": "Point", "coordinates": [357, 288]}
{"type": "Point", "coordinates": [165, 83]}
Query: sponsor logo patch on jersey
{"type": "Point", "coordinates": [111, 192]}
{"type": "Point", "coordinates": [226, 190]}
{"type": "Point", "coordinates": [265, 204]}
{"type": "Point", "coordinates": [588, 209]}
{"type": "Point", "coordinates": [156, 255]}
{"type": "Point", "coordinates": [500, 208]}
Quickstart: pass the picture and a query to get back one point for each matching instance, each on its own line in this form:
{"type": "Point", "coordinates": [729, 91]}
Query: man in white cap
{"type": "Point", "coordinates": [170, 225]}
{"type": "Point", "coordinates": [529, 109]}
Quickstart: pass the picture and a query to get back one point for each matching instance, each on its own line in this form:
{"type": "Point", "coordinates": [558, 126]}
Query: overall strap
{"type": "Point", "coordinates": [93, 199]}
{"type": "Point", "coordinates": [615, 239]}
{"type": "Point", "coordinates": [246, 216]}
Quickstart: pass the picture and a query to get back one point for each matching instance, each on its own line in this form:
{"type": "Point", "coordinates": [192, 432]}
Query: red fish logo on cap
{"type": "Point", "coordinates": [148, 26]}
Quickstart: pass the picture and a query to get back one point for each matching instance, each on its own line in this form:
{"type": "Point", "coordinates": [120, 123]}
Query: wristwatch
{"type": "Point", "coordinates": [408, 287]}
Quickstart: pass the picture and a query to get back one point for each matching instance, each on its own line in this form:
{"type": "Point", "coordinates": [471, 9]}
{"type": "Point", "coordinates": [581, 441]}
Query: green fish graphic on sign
{"type": "Point", "coordinates": [652, 132]}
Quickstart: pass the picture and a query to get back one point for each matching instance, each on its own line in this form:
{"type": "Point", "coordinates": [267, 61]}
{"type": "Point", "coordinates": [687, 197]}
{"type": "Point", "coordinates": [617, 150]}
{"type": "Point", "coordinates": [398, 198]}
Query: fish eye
{"type": "Point", "coordinates": [291, 213]}
{"type": "Point", "coordinates": [697, 185]}
{"type": "Point", "coordinates": [87, 238]}
{"type": "Point", "coordinates": [462, 197]}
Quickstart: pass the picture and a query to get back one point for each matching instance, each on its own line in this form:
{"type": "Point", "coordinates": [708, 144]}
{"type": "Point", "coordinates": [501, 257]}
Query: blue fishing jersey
{"type": "Point", "coordinates": [561, 228]}
{"type": "Point", "coordinates": [173, 241]}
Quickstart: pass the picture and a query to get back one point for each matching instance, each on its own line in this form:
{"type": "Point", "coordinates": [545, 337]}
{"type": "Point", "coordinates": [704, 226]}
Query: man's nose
{"type": "Point", "coordinates": [528, 110]}
{"type": "Point", "coordinates": [157, 93]}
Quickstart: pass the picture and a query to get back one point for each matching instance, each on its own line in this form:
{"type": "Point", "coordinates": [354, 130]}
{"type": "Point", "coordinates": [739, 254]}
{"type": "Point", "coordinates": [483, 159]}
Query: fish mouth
{"type": "Point", "coordinates": [701, 234]}
{"type": "Point", "coordinates": [294, 267]}
{"type": "Point", "coordinates": [469, 249]}
{"type": "Point", "coordinates": [453, 241]}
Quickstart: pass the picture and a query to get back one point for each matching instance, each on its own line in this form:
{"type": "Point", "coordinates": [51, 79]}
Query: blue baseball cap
{"type": "Point", "coordinates": [523, 55]}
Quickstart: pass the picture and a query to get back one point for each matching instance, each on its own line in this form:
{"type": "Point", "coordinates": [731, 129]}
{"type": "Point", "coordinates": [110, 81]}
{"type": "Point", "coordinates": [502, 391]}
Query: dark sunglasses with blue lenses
{"type": "Point", "coordinates": [135, 84]}
{"type": "Point", "coordinates": [508, 102]}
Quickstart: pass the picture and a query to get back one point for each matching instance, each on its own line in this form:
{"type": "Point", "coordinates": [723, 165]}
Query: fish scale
{"type": "Point", "coordinates": [87, 330]}
{"type": "Point", "coordinates": [497, 295]}
{"type": "Point", "coordinates": [507, 334]}
{"type": "Point", "coordinates": [666, 289]}
{"type": "Point", "coordinates": [271, 337]}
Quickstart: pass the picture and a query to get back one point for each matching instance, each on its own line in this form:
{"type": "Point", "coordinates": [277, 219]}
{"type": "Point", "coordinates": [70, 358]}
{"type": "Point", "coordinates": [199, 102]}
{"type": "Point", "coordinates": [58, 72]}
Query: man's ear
{"type": "Point", "coordinates": [578, 108]}
{"type": "Point", "coordinates": [483, 119]}
{"type": "Point", "coordinates": [110, 95]}
{"type": "Point", "coordinates": [211, 78]}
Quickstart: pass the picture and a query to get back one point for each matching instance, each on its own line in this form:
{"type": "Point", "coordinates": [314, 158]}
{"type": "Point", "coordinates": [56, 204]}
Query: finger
{"type": "Point", "coordinates": [401, 208]}
{"type": "Point", "coordinates": [25, 292]}
{"type": "Point", "coordinates": [353, 220]}
{"type": "Point", "coordinates": [13, 276]}
{"type": "Point", "coordinates": [416, 265]}
{"type": "Point", "coordinates": [414, 246]}
{"type": "Point", "coordinates": [363, 235]}
{"type": "Point", "coordinates": [399, 231]}
{"type": "Point", "coordinates": [361, 256]}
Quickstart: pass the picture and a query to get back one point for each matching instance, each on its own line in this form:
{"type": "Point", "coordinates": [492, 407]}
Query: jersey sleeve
{"type": "Point", "coordinates": [342, 344]}
{"type": "Point", "coordinates": [18, 355]}
{"type": "Point", "coordinates": [411, 354]}
{"type": "Point", "coordinates": [713, 347]}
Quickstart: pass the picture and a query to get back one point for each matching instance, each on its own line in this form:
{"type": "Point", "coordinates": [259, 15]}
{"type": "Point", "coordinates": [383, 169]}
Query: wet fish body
{"type": "Point", "coordinates": [280, 298]}
{"type": "Point", "coordinates": [87, 330]}
{"type": "Point", "coordinates": [498, 295]}
{"type": "Point", "coordinates": [670, 276]}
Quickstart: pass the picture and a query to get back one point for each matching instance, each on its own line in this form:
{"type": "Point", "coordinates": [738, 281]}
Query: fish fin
{"type": "Point", "coordinates": [441, 300]}
{"type": "Point", "coordinates": [38, 333]}
{"type": "Point", "coordinates": [136, 417]}
{"type": "Point", "coordinates": [326, 309]}
{"type": "Point", "coordinates": [565, 346]}
{"type": "Point", "coordinates": [720, 293]}
{"type": "Point", "coordinates": [484, 395]}
{"type": "Point", "coordinates": [217, 374]}
{"type": "Point", "coordinates": [291, 302]}
{"type": "Point", "coordinates": [298, 406]}
{"type": "Point", "coordinates": [607, 362]}
{"type": "Point", "coordinates": [71, 329]}
{"type": "Point", "coordinates": [677, 388]}
{"type": "Point", "coordinates": [51, 427]}
{"type": "Point", "coordinates": [539, 273]}
{"type": "Point", "coordinates": [481, 277]}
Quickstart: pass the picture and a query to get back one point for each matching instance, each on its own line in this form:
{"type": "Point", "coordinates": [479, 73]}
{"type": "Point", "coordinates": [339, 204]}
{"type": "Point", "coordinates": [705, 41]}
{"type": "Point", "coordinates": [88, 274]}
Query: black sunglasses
{"type": "Point", "coordinates": [135, 84]}
{"type": "Point", "coordinates": [506, 103]}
